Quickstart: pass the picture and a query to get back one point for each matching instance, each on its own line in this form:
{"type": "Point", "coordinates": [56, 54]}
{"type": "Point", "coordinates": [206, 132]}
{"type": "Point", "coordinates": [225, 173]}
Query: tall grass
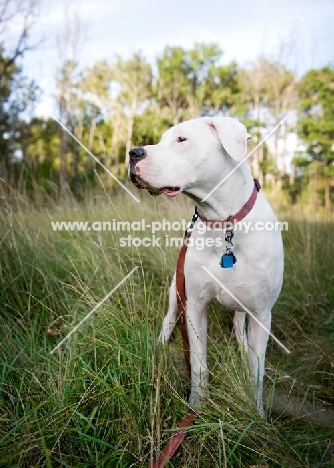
{"type": "Point", "coordinates": [110, 395]}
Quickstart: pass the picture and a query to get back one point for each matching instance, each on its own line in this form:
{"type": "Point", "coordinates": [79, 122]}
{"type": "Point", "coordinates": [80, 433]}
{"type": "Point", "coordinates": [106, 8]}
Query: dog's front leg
{"type": "Point", "coordinates": [171, 316]}
{"type": "Point", "coordinates": [197, 332]}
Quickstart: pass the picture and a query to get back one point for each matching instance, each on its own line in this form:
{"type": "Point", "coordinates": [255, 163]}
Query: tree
{"type": "Point", "coordinates": [316, 124]}
{"type": "Point", "coordinates": [5, 91]}
{"type": "Point", "coordinates": [268, 89]}
{"type": "Point", "coordinates": [173, 86]}
{"type": "Point", "coordinates": [94, 90]}
{"type": "Point", "coordinates": [150, 125]}
{"type": "Point", "coordinates": [251, 103]}
{"type": "Point", "coordinates": [280, 87]}
{"type": "Point", "coordinates": [203, 72]}
{"type": "Point", "coordinates": [17, 93]}
{"type": "Point", "coordinates": [43, 151]}
{"type": "Point", "coordinates": [134, 79]}
{"type": "Point", "coordinates": [67, 83]}
{"type": "Point", "coordinates": [24, 12]}
{"type": "Point", "coordinates": [68, 79]}
{"type": "Point", "coordinates": [191, 82]}
{"type": "Point", "coordinates": [220, 88]}
{"type": "Point", "coordinates": [18, 97]}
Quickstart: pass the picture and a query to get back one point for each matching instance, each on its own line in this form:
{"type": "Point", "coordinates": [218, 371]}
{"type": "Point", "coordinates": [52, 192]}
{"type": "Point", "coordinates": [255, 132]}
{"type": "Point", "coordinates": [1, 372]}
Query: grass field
{"type": "Point", "coordinates": [110, 395]}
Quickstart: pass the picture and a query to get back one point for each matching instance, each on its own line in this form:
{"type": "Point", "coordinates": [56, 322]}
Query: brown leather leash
{"type": "Point", "coordinates": [181, 294]}
{"type": "Point", "coordinates": [176, 440]}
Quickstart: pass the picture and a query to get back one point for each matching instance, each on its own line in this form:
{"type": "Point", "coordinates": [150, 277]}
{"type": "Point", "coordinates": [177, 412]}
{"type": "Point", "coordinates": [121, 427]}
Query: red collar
{"type": "Point", "coordinates": [233, 219]}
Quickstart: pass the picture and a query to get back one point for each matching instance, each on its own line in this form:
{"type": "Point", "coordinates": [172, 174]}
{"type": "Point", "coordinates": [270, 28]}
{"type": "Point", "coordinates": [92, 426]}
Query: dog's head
{"type": "Point", "coordinates": [190, 155]}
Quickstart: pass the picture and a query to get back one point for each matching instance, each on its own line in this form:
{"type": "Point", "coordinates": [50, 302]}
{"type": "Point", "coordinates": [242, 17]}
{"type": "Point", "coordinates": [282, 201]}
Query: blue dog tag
{"type": "Point", "coordinates": [228, 260]}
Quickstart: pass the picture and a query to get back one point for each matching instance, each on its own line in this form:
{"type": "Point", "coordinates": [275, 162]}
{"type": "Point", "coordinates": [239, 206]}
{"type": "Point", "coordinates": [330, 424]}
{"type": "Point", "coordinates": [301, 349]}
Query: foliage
{"type": "Point", "coordinates": [316, 123]}
{"type": "Point", "coordinates": [16, 111]}
{"type": "Point", "coordinates": [192, 82]}
{"type": "Point", "coordinates": [316, 126]}
{"type": "Point", "coordinates": [110, 107]}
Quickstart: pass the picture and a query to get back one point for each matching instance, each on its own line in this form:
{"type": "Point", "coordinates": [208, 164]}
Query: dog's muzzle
{"type": "Point", "coordinates": [136, 154]}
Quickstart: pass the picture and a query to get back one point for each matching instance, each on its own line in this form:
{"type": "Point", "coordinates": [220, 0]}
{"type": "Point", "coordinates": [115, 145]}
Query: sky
{"type": "Point", "coordinates": [243, 29]}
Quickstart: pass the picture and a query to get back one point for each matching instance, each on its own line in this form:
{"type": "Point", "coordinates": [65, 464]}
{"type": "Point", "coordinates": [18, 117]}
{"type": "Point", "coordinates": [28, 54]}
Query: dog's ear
{"type": "Point", "coordinates": [231, 133]}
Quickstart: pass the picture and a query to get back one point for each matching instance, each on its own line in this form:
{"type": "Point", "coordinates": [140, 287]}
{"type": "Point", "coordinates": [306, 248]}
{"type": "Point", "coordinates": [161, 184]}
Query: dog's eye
{"type": "Point", "coordinates": [180, 139]}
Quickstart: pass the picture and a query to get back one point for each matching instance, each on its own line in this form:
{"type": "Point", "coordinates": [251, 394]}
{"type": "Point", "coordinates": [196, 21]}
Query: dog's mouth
{"type": "Point", "coordinates": [137, 182]}
{"type": "Point", "coordinates": [171, 191]}
{"type": "Point", "coordinates": [141, 184]}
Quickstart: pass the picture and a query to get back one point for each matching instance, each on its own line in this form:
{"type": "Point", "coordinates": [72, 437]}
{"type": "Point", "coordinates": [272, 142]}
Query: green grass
{"type": "Point", "coordinates": [110, 395]}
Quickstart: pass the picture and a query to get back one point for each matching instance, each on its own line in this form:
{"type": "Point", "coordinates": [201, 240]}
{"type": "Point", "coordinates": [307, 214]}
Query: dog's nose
{"type": "Point", "coordinates": [137, 153]}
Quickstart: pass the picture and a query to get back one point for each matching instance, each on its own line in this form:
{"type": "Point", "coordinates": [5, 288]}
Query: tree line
{"type": "Point", "coordinates": [111, 106]}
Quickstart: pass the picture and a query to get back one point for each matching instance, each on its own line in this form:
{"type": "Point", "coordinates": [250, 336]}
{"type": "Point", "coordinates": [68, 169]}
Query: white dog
{"type": "Point", "coordinates": [193, 158]}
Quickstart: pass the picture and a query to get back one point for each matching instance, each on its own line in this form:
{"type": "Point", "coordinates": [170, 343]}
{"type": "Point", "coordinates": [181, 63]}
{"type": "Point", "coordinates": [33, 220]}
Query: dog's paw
{"type": "Point", "coordinates": [164, 336]}
{"type": "Point", "coordinates": [261, 411]}
{"type": "Point", "coordinates": [195, 400]}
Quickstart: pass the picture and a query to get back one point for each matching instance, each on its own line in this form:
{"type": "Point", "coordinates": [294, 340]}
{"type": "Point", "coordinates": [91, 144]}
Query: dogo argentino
{"type": "Point", "coordinates": [193, 157]}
